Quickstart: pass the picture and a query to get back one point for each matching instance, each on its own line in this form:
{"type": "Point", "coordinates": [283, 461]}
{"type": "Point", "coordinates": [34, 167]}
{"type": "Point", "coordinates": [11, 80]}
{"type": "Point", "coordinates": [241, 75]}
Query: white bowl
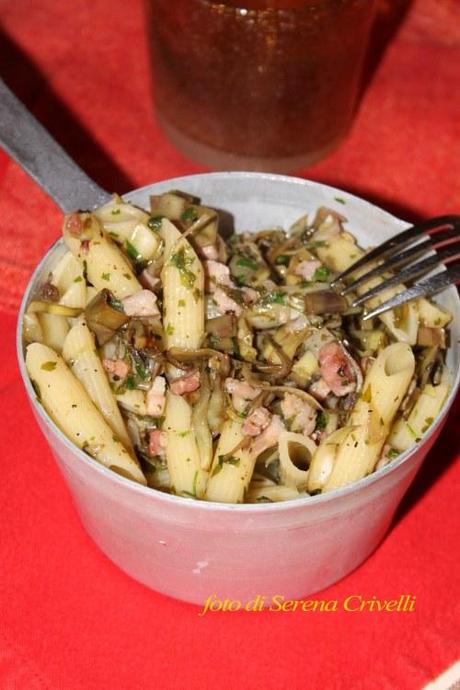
{"type": "Point", "coordinates": [192, 549]}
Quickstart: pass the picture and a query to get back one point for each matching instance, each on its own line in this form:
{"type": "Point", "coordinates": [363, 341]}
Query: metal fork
{"type": "Point", "coordinates": [439, 237]}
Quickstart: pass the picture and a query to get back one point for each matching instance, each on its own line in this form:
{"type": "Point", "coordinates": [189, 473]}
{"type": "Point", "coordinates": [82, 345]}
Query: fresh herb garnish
{"type": "Point", "coordinates": [232, 460]}
{"type": "Point", "coordinates": [78, 279]}
{"type": "Point", "coordinates": [321, 274]}
{"type": "Point", "coordinates": [115, 303]}
{"type": "Point", "coordinates": [392, 454]}
{"type": "Point", "coordinates": [181, 261]}
{"type": "Point", "coordinates": [273, 298]}
{"type": "Point", "coordinates": [48, 366]}
{"type": "Point", "coordinates": [105, 276]}
{"type": "Point", "coordinates": [247, 262]}
{"type": "Point", "coordinates": [282, 260]}
{"type": "Point", "coordinates": [132, 251]}
{"type": "Point", "coordinates": [154, 222]}
{"type": "Point", "coordinates": [321, 421]}
{"type": "Point", "coordinates": [190, 214]}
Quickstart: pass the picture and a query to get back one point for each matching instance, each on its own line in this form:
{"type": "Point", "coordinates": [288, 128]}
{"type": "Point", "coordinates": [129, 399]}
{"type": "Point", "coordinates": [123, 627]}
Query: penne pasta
{"type": "Point", "coordinates": [54, 328]}
{"type": "Point", "coordinates": [128, 226]}
{"type": "Point", "coordinates": [69, 279]}
{"type": "Point", "coordinates": [79, 351]}
{"type": "Point", "coordinates": [324, 458]}
{"type": "Point", "coordinates": [184, 463]}
{"type": "Point", "coordinates": [70, 407]}
{"type": "Point", "coordinates": [408, 431]}
{"type": "Point", "coordinates": [183, 303]}
{"type": "Point", "coordinates": [383, 390]}
{"type": "Point", "coordinates": [339, 254]}
{"type": "Point", "coordinates": [232, 466]}
{"type": "Point", "coordinates": [295, 455]}
{"type": "Point", "coordinates": [106, 266]}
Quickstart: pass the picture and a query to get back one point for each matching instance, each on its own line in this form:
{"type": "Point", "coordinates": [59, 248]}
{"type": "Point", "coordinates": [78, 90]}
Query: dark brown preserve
{"type": "Point", "coordinates": [272, 85]}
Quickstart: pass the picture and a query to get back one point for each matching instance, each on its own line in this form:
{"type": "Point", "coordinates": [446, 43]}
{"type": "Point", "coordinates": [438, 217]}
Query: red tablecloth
{"type": "Point", "coordinates": [70, 619]}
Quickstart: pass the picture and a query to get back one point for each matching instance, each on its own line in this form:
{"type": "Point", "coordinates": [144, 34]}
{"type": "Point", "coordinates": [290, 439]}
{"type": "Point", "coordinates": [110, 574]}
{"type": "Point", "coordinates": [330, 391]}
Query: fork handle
{"type": "Point", "coordinates": [30, 145]}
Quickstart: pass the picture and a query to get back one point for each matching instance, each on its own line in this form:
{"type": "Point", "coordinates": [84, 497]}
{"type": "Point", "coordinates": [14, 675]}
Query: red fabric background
{"type": "Point", "coordinates": [70, 619]}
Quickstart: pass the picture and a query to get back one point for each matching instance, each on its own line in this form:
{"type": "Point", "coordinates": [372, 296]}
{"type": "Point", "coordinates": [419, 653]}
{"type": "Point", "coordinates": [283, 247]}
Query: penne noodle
{"type": "Point", "coordinates": [269, 494]}
{"type": "Point", "coordinates": [324, 458]}
{"type": "Point", "coordinates": [106, 267]}
{"type": "Point", "coordinates": [408, 431]}
{"type": "Point", "coordinates": [69, 279]}
{"type": "Point", "coordinates": [183, 292]}
{"type": "Point", "coordinates": [340, 253]}
{"type": "Point", "coordinates": [133, 401]}
{"type": "Point", "coordinates": [232, 467]}
{"type": "Point", "coordinates": [432, 315]}
{"type": "Point", "coordinates": [295, 454]}
{"type": "Point", "coordinates": [54, 329]}
{"type": "Point", "coordinates": [384, 388]}
{"type": "Point", "coordinates": [79, 351]}
{"type": "Point", "coordinates": [69, 405]}
{"type": "Point", "coordinates": [201, 429]}
{"type": "Point", "coordinates": [184, 464]}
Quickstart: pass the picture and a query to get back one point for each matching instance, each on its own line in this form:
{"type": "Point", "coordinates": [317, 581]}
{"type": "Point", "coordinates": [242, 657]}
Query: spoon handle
{"type": "Point", "coordinates": [30, 145]}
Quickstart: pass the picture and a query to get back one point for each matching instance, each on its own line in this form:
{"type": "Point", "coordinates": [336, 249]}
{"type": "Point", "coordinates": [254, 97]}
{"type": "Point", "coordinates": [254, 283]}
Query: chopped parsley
{"type": "Point", "coordinates": [116, 212]}
{"type": "Point", "coordinates": [48, 366]}
{"type": "Point", "coordinates": [232, 460]}
{"type": "Point", "coordinates": [154, 222]}
{"type": "Point", "coordinates": [105, 276]}
{"type": "Point", "coordinates": [282, 260]}
{"type": "Point", "coordinates": [115, 304]}
{"type": "Point", "coordinates": [321, 274]}
{"type": "Point", "coordinates": [190, 214]}
{"type": "Point", "coordinates": [132, 251]}
{"type": "Point", "coordinates": [321, 421]}
{"type": "Point", "coordinates": [78, 279]}
{"type": "Point", "coordinates": [247, 262]}
{"type": "Point", "coordinates": [181, 261]}
{"type": "Point", "coordinates": [339, 200]}
{"type": "Point", "coordinates": [273, 298]}
{"type": "Point", "coordinates": [169, 329]}
{"type": "Point", "coordinates": [130, 383]}
{"type": "Point", "coordinates": [392, 454]}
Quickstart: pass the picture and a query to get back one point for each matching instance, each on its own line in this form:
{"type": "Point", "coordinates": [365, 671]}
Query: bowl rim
{"type": "Point", "coordinates": [246, 508]}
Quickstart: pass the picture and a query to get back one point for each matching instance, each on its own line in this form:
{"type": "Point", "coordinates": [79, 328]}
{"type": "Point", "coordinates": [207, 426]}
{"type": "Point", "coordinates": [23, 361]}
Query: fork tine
{"type": "Point", "coordinates": [399, 242]}
{"type": "Point", "coordinates": [410, 272]}
{"type": "Point", "coordinates": [418, 269]}
{"type": "Point", "coordinates": [399, 260]}
{"type": "Point", "coordinates": [393, 262]}
{"type": "Point", "coordinates": [425, 288]}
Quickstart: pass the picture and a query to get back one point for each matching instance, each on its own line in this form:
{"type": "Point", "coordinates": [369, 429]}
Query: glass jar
{"type": "Point", "coordinates": [257, 85]}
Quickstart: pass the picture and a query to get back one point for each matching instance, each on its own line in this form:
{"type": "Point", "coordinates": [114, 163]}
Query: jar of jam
{"type": "Point", "coordinates": [257, 84]}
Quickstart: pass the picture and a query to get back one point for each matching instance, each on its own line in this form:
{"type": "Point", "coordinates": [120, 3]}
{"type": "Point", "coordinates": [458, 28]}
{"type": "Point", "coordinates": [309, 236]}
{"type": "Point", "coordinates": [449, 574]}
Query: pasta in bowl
{"type": "Point", "coordinates": [227, 370]}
